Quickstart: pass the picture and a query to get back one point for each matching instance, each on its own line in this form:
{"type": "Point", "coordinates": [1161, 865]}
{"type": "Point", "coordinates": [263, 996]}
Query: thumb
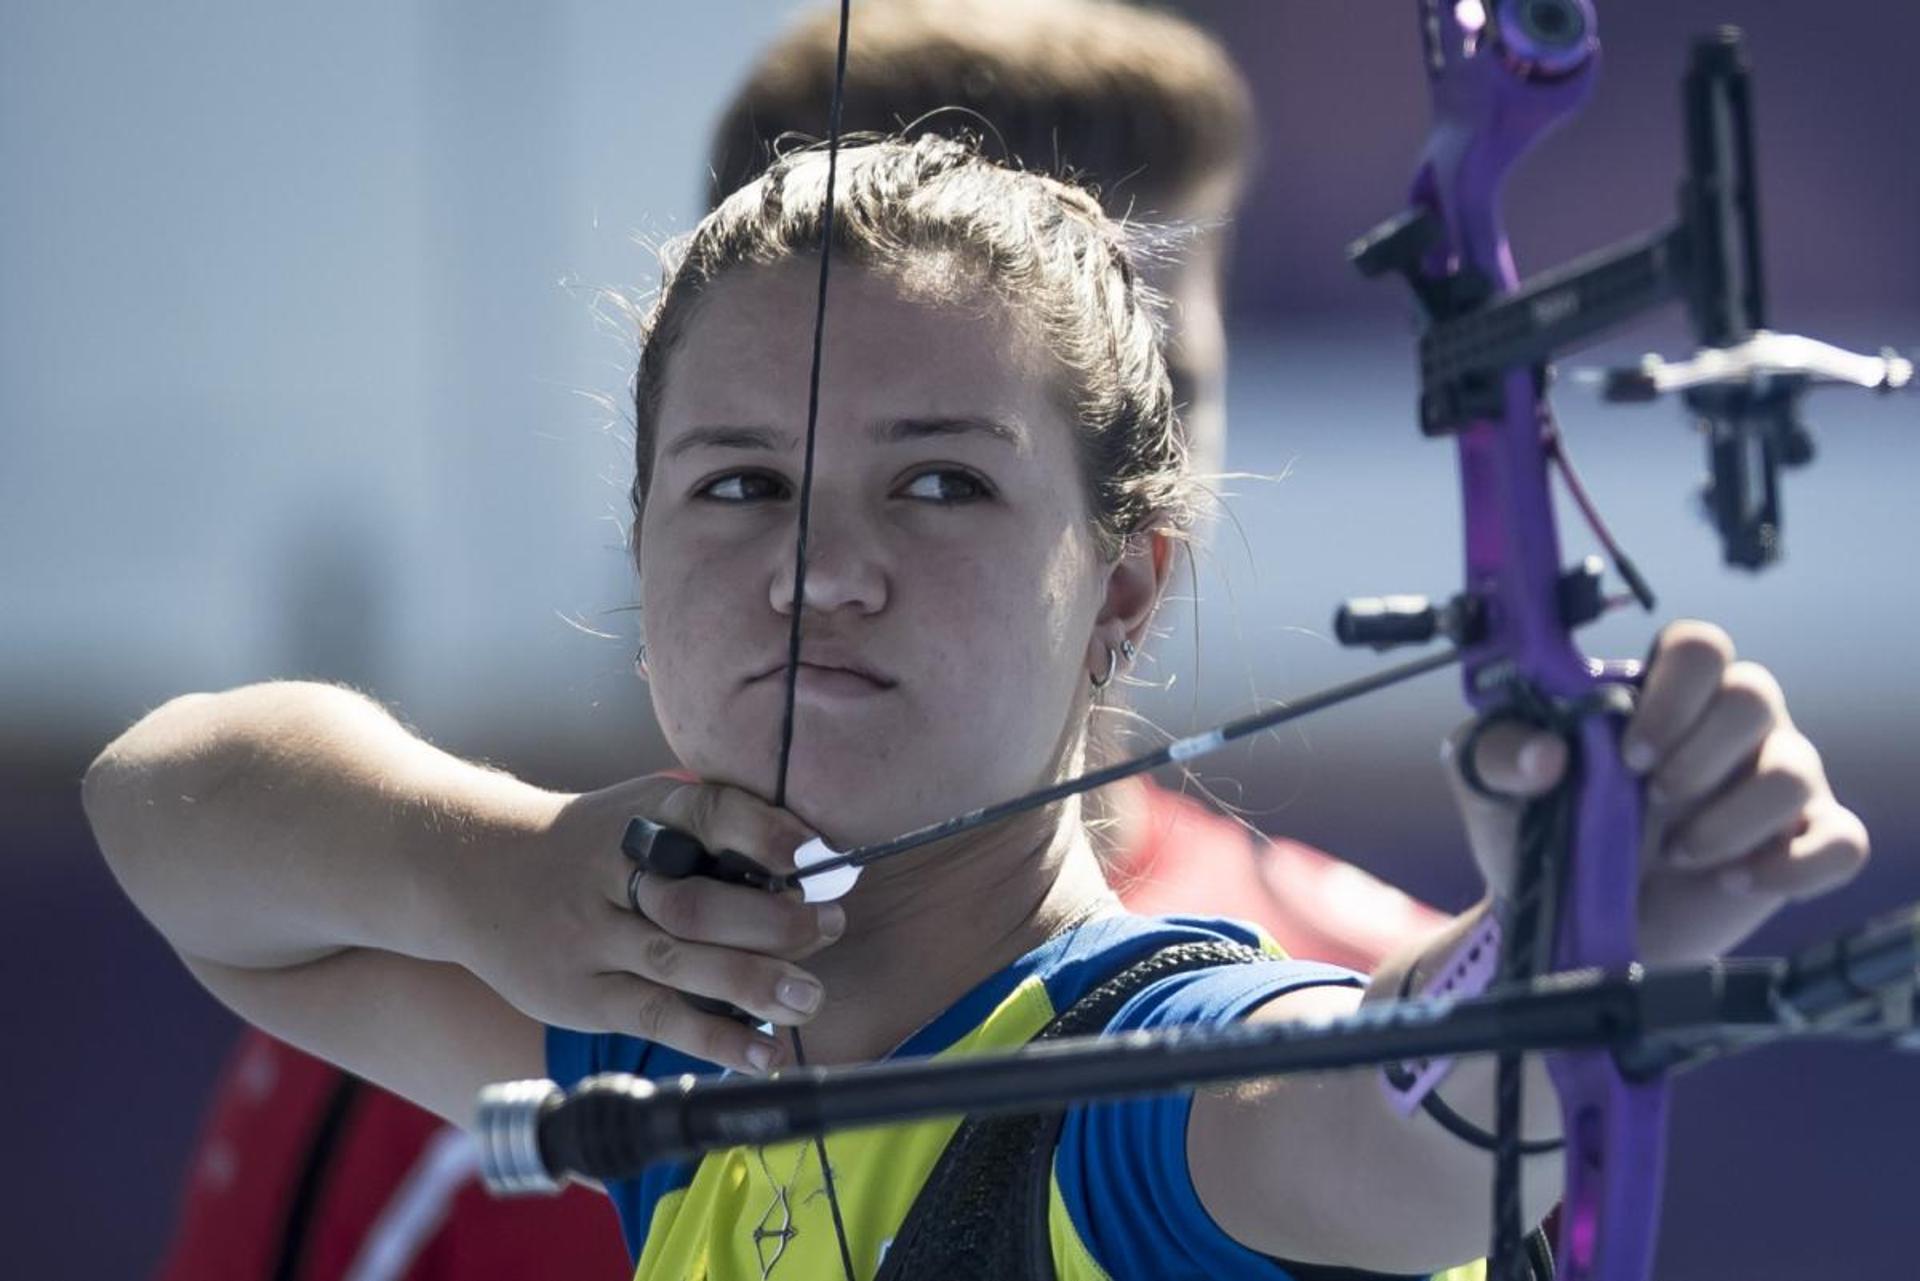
{"type": "Point", "coordinates": [1514, 762]}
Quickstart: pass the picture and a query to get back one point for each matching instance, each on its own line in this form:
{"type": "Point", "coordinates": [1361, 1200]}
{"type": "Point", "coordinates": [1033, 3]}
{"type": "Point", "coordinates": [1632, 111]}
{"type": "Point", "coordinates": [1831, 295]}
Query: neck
{"type": "Point", "coordinates": [925, 929]}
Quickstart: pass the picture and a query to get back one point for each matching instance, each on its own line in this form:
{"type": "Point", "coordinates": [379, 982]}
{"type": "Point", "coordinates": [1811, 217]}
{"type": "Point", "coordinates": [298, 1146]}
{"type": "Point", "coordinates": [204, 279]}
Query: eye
{"type": "Point", "coordinates": [946, 485]}
{"type": "Point", "coordinates": [743, 487]}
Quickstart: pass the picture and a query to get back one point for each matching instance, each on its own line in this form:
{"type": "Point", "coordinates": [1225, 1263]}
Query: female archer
{"type": "Point", "coordinates": [996, 492]}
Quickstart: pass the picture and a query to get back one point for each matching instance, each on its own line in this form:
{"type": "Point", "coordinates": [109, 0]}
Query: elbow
{"type": "Point", "coordinates": [132, 790]}
{"type": "Point", "coordinates": [149, 791]}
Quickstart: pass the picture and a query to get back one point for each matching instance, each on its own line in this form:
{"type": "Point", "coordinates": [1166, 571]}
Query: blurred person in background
{"type": "Point", "coordinates": [303, 1170]}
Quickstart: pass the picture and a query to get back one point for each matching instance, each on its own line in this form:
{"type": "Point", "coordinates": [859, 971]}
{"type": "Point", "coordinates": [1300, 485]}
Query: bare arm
{"type": "Point", "coordinates": [417, 918]}
{"type": "Point", "coordinates": [277, 824]}
{"type": "Point", "coordinates": [295, 845]}
{"type": "Point", "coordinates": [1321, 1169]}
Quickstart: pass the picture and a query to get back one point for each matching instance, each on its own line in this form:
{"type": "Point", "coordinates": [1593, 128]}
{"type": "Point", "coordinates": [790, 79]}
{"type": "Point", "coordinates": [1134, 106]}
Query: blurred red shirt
{"type": "Point", "coordinates": [304, 1173]}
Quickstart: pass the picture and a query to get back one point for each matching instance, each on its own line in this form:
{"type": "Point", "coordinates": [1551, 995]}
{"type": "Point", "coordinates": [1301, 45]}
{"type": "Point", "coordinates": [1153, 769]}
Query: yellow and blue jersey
{"type": "Point", "coordinates": [1121, 1204]}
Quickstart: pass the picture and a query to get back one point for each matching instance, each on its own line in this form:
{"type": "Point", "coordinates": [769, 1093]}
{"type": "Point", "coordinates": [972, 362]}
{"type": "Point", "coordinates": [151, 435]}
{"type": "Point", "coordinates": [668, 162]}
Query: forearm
{"type": "Point", "coordinates": [1361, 1185]}
{"type": "Point", "coordinates": [1469, 1088]}
{"type": "Point", "coordinates": [275, 824]}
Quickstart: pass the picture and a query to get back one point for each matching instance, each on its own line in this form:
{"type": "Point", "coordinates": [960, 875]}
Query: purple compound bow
{"type": "Point", "coordinates": [1502, 76]}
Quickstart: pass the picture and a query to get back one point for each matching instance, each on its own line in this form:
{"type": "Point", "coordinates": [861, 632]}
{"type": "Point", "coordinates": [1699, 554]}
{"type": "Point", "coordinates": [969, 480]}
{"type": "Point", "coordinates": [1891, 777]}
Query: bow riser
{"type": "Point", "coordinates": [1616, 1129]}
{"type": "Point", "coordinates": [1498, 88]}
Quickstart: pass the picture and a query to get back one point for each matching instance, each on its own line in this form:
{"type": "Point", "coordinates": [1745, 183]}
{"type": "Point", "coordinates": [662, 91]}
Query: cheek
{"type": "Point", "coordinates": [1011, 631]}
{"type": "Point", "coordinates": [695, 646]}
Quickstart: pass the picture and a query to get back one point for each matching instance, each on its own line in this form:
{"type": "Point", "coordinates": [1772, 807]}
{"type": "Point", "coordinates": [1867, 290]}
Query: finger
{"type": "Point", "coordinates": [1828, 854]}
{"type": "Point", "coordinates": [1770, 802]}
{"type": "Point", "coordinates": [1747, 707]}
{"type": "Point", "coordinates": [1687, 917]}
{"type": "Point", "coordinates": [707, 911]}
{"type": "Point", "coordinates": [1512, 760]}
{"type": "Point", "coordinates": [727, 818]}
{"type": "Point", "coordinates": [764, 986]}
{"type": "Point", "coordinates": [1682, 678]}
{"type": "Point", "coordinates": [634, 1007]}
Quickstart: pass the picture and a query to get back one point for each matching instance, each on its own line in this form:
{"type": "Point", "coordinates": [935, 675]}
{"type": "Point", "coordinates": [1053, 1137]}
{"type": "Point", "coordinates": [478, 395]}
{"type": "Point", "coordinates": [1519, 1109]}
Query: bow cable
{"type": "Point", "coordinates": [798, 605]}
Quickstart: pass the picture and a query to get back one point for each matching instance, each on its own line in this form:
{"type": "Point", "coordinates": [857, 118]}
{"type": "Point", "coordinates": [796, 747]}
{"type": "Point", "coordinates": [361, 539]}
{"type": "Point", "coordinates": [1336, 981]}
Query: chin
{"type": "Point", "coordinates": [857, 784]}
{"type": "Point", "coordinates": [847, 804]}
{"type": "Point", "coordinates": [848, 813]}
{"type": "Point", "coordinates": [863, 806]}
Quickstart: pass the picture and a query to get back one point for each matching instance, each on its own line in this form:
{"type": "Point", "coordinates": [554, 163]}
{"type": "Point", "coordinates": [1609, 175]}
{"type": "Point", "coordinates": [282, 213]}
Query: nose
{"type": "Point", "coordinates": [845, 568]}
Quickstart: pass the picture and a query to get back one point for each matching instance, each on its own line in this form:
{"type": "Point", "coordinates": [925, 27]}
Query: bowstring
{"type": "Point", "coordinates": [798, 604]}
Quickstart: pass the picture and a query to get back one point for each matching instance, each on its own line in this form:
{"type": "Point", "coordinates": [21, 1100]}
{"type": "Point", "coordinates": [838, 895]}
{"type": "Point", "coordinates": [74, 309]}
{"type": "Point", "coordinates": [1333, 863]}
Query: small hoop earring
{"type": "Point", "coordinates": [1127, 651]}
{"type": "Point", "coordinates": [640, 661]}
{"type": "Point", "coordinates": [1101, 682]}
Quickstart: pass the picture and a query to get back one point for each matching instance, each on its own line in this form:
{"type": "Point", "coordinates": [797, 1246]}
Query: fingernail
{"type": "Point", "coordinates": [832, 919]}
{"type": "Point", "coordinates": [802, 996]}
{"type": "Point", "coordinates": [760, 1055]}
{"type": "Point", "coordinates": [1638, 755]}
{"type": "Point", "coordinates": [1532, 760]}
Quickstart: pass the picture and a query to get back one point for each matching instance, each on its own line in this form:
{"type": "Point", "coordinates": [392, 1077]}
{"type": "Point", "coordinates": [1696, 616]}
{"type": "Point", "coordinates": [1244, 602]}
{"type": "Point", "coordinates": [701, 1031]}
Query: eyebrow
{"type": "Point", "coordinates": [726, 438]}
{"type": "Point", "coordinates": [920, 428]}
{"type": "Point", "coordinates": [899, 429]}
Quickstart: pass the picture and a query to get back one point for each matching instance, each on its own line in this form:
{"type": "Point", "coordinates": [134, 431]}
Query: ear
{"type": "Point", "coordinates": [1134, 586]}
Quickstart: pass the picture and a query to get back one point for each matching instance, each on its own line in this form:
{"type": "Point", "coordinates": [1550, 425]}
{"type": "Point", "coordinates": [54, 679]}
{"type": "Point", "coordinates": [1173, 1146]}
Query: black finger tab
{"type": "Point", "coordinates": [674, 855]}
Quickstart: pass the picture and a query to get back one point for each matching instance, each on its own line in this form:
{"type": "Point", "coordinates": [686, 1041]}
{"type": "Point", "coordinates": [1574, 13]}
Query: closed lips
{"type": "Point", "coordinates": [831, 665]}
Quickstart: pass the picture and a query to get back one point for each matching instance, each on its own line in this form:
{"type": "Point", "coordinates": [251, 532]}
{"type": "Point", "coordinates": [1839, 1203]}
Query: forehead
{"type": "Point", "coordinates": [889, 347]}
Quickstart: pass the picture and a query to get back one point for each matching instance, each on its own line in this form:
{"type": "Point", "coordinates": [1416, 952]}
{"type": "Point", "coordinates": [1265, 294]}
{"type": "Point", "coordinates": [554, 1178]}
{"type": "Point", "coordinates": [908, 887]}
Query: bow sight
{"type": "Point", "coordinates": [1745, 385]}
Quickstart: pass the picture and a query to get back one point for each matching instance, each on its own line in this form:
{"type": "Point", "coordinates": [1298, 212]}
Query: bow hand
{"type": "Point", "coordinates": [1740, 817]}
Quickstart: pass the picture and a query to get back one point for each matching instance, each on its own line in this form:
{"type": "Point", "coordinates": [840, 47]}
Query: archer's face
{"type": "Point", "coordinates": [953, 583]}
